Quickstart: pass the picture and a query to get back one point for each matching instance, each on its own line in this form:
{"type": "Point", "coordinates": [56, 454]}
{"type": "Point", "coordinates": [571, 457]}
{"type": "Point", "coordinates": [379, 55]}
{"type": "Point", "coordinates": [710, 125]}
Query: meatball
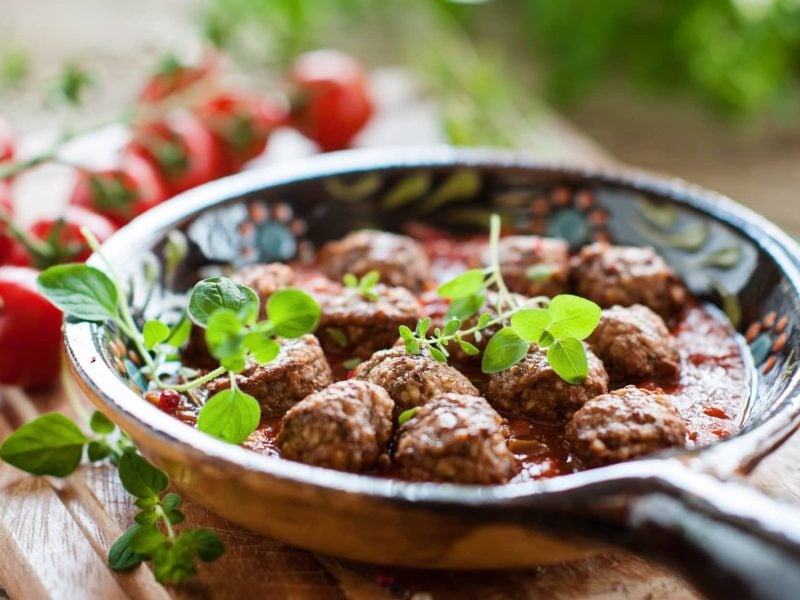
{"type": "Point", "coordinates": [533, 265]}
{"type": "Point", "coordinates": [532, 388]}
{"type": "Point", "coordinates": [299, 369]}
{"type": "Point", "coordinates": [627, 275]}
{"type": "Point", "coordinates": [455, 438]}
{"type": "Point", "coordinates": [357, 326]}
{"type": "Point", "coordinates": [265, 279]}
{"type": "Point", "coordinates": [412, 379]}
{"type": "Point", "coordinates": [634, 343]}
{"type": "Point", "coordinates": [346, 426]}
{"type": "Point", "coordinates": [400, 260]}
{"type": "Point", "coordinates": [624, 424]}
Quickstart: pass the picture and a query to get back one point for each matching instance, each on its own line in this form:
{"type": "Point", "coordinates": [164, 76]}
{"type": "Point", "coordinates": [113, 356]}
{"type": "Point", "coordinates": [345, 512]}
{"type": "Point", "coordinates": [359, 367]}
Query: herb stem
{"type": "Point", "coordinates": [504, 297]}
{"type": "Point", "coordinates": [159, 510]}
{"type": "Point", "coordinates": [183, 387]}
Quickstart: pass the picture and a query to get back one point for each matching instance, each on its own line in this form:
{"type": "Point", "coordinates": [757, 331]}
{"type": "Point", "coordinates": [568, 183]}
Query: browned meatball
{"type": "Point", "coordinates": [299, 370]}
{"type": "Point", "coordinates": [634, 343]}
{"type": "Point", "coordinates": [532, 388]}
{"type": "Point", "coordinates": [346, 426]}
{"type": "Point", "coordinates": [265, 279]}
{"type": "Point", "coordinates": [400, 260]}
{"type": "Point", "coordinates": [533, 265]}
{"type": "Point", "coordinates": [624, 424]}
{"type": "Point", "coordinates": [357, 326]}
{"type": "Point", "coordinates": [412, 379]}
{"type": "Point", "coordinates": [627, 275]}
{"type": "Point", "coordinates": [455, 438]}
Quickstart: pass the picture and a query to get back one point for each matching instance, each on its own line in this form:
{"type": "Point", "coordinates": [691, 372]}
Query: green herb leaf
{"type": "Point", "coordinates": [139, 477]}
{"type": "Point", "coordinates": [174, 563]}
{"type": "Point", "coordinates": [546, 339]}
{"type": "Point", "coordinates": [99, 423]}
{"type": "Point", "coordinates": [467, 284]}
{"type": "Point", "coordinates": [49, 445]}
{"type": "Point", "coordinates": [350, 280]}
{"type": "Point", "coordinates": [230, 415]}
{"type": "Point", "coordinates": [464, 308]}
{"type": "Point", "coordinates": [97, 451]}
{"type": "Point", "coordinates": [154, 333]}
{"type": "Point", "coordinates": [407, 415]}
{"type": "Point", "coordinates": [422, 326]}
{"type": "Point", "coordinates": [412, 346]}
{"type": "Point", "coordinates": [180, 333]}
{"type": "Point", "coordinates": [437, 354]}
{"type": "Point", "coordinates": [146, 517]}
{"type": "Point", "coordinates": [539, 272]}
{"type": "Point", "coordinates": [338, 336]}
{"type": "Point", "coordinates": [452, 326]}
{"type": "Point", "coordinates": [263, 348]}
{"type": "Point", "coordinates": [504, 350]}
{"type": "Point", "coordinates": [568, 359]}
{"type": "Point", "coordinates": [171, 501]}
{"type": "Point", "coordinates": [530, 323]}
{"type": "Point", "coordinates": [205, 543]}
{"type": "Point", "coordinates": [224, 334]}
{"type": "Point", "coordinates": [80, 291]}
{"type": "Point", "coordinates": [572, 316]}
{"type": "Point", "coordinates": [215, 293]}
{"type": "Point", "coordinates": [468, 348]}
{"type": "Point", "coordinates": [293, 313]}
{"type": "Point", "coordinates": [405, 332]}
{"type": "Point", "coordinates": [121, 556]}
{"type": "Point", "coordinates": [351, 363]}
{"type": "Point", "coordinates": [147, 540]}
{"type": "Point", "coordinates": [369, 280]}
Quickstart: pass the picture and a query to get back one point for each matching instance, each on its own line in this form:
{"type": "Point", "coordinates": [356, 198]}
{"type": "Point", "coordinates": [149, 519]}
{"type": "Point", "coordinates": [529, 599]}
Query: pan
{"type": "Point", "coordinates": [681, 509]}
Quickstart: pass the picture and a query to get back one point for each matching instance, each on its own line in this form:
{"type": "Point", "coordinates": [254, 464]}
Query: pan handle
{"type": "Point", "coordinates": [726, 539]}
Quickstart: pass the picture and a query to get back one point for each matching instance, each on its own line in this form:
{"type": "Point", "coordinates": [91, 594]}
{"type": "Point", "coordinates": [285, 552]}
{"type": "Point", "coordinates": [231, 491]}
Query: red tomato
{"type": "Point", "coordinates": [7, 141]}
{"type": "Point", "coordinates": [242, 123]}
{"type": "Point", "coordinates": [63, 234]}
{"type": "Point", "coordinates": [30, 331]}
{"type": "Point", "coordinates": [184, 150]}
{"type": "Point", "coordinates": [331, 103]}
{"type": "Point", "coordinates": [123, 193]}
{"type": "Point", "coordinates": [172, 77]}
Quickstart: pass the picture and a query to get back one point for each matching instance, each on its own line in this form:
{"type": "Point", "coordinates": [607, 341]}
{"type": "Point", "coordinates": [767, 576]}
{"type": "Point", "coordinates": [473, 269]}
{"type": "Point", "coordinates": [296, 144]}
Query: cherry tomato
{"type": "Point", "coordinates": [172, 77]}
{"type": "Point", "coordinates": [63, 235]}
{"type": "Point", "coordinates": [184, 150]}
{"type": "Point", "coordinates": [30, 331]}
{"type": "Point", "coordinates": [7, 141]}
{"type": "Point", "coordinates": [242, 123]}
{"type": "Point", "coordinates": [331, 101]}
{"type": "Point", "coordinates": [123, 193]}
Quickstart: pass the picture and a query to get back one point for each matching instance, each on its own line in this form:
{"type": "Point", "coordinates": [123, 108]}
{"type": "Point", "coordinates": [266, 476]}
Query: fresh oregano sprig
{"type": "Point", "coordinates": [365, 286]}
{"type": "Point", "coordinates": [558, 324]}
{"type": "Point", "coordinates": [55, 445]}
{"type": "Point", "coordinates": [227, 311]}
{"type": "Point", "coordinates": [154, 537]}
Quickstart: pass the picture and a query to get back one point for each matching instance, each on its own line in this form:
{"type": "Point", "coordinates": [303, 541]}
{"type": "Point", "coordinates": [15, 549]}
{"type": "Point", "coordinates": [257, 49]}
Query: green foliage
{"type": "Point", "coordinates": [558, 324]}
{"type": "Point", "coordinates": [80, 291]}
{"type": "Point", "coordinates": [364, 286]}
{"type": "Point", "coordinates": [48, 445]}
{"type": "Point", "coordinates": [230, 415]}
{"type": "Point", "coordinates": [216, 293]}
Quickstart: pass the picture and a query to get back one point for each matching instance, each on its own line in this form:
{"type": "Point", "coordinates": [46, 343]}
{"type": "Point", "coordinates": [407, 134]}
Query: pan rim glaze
{"type": "Point", "coordinates": [739, 453]}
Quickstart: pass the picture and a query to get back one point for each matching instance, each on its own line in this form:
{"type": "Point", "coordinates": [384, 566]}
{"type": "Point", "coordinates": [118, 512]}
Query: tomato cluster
{"type": "Point", "coordinates": [187, 130]}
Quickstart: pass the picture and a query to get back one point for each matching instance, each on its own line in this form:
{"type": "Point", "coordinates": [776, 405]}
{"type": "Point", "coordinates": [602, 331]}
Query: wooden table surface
{"type": "Point", "coordinates": [55, 534]}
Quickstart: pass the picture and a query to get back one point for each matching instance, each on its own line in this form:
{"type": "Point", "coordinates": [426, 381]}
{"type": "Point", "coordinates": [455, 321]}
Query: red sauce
{"type": "Point", "coordinates": [711, 394]}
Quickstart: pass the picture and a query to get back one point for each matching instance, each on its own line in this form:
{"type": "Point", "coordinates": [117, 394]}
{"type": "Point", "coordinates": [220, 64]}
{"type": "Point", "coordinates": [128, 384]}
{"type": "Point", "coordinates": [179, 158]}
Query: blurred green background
{"type": "Point", "coordinates": [705, 89]}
